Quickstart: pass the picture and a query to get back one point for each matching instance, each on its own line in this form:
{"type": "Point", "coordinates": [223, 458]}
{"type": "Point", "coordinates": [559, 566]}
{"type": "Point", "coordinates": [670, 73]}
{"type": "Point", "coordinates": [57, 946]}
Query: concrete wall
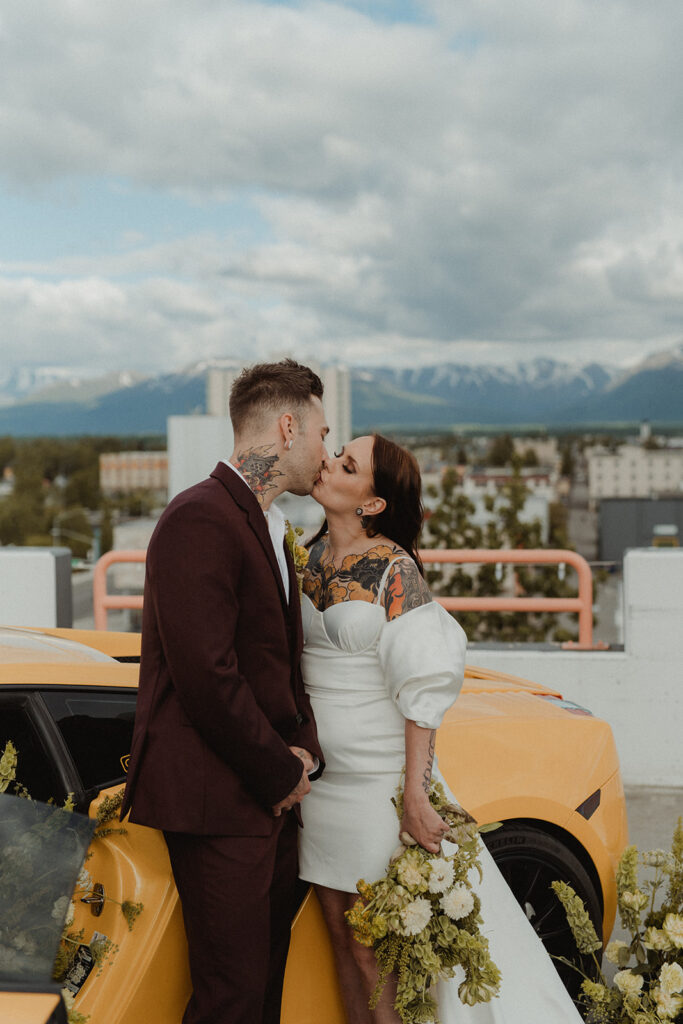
{"type": "Point", "coordinates": [639, 690]}
{"type": "Point", "coordinates": [35, 587]}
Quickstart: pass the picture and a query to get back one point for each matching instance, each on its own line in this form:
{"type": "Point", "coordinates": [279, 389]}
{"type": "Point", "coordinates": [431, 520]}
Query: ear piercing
{"type": "Point", "coordinates": [289, 444]}
{"type": "Point", "coordinates": [359, 511]}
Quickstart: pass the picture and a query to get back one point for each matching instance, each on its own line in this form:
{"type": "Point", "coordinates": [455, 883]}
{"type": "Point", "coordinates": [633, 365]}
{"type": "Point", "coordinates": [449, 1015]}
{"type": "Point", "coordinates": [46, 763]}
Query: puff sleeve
{"type": "Point", "coordinates": [422, 654]}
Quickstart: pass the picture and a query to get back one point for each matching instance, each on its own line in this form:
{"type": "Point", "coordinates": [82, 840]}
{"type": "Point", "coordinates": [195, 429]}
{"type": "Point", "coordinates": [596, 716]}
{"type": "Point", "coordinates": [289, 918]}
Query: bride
{"type": "Point", "coordinates": [382, 663]}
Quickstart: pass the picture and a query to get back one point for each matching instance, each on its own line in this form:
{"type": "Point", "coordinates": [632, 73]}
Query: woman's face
{"type": "Point", "coordinates": [345, 480]}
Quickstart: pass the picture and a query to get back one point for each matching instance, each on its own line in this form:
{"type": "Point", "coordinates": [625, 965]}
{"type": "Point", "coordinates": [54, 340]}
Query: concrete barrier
{"type": "Point", "coordinates": [639, 690]}
{"type": "Point", "coordinates": [35, 587]}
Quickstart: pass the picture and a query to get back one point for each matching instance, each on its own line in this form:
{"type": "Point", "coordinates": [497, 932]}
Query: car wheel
{"type": "Point", "coordinates": [529, 861]}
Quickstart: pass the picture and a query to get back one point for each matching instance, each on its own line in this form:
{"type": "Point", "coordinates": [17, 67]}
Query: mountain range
{"type": "Point", "coordinates": [47, 401]}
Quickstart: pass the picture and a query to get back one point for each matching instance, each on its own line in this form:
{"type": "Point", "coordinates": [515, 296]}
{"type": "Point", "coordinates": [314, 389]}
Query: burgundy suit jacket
{"type": "Point", "coordinates": [221, 696]}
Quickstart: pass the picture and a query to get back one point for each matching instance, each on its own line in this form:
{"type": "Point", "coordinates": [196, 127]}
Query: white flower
{"type": "Point", "coordinates": [634, 900]}
{"type": "Point", "coordinates": [668, 1004]}
{"type": "Point", "coordinates": [654, 938]}
{"type": "Point", "coordinates": [70, 915]}
{"type": "Point", "coordinates": [60, 908]}
{"type": "Point", "coordinates": [441, 875]}
{"type": "Point", "coordinates": [457, 903]}
{"type": "Point", "coordinates": [612, 950]}
{"type": "Point", "coordinates": [24, 943]}
{"type": "Point", "coordinates": [628, 982]}
{"type": "Point", "coordinates": [416, 916]}
{"type": "Point", "coordinates": [655, 858]}
{"type": "Point", "coordinates": [671, 978]}
{"type": "Point", "coordinates": [673, 929]}
{"type": "Point", "coordinates": [84, 880]}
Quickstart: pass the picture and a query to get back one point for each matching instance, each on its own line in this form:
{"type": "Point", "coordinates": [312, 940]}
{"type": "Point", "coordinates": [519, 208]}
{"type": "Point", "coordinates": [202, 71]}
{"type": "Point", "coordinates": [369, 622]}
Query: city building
{"type": "Point", "coordinates": [634, 472]}
{"type": "Point", "coordinates": [540, 481]}
{"type": "Point", "coordinates": [125, 472]}
{"type": "Point", "coordinates": [195, 445]}
{"type": "Point", "coordinates": [625, 523]}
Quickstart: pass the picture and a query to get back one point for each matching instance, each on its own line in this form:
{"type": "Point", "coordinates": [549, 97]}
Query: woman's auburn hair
{"type": "Point", "coordinates": [396, 479]}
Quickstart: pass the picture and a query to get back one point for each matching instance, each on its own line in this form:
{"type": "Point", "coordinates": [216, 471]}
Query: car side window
{"type": "Point", "coordinates": [97, 727]}
{"type": "Point", "coordinates": [35, 769]}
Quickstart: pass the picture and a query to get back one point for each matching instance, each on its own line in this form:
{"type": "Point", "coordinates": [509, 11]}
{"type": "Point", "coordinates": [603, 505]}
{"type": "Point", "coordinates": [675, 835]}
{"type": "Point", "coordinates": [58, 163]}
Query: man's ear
{"type": "Point", "coordinates": [287, 426]}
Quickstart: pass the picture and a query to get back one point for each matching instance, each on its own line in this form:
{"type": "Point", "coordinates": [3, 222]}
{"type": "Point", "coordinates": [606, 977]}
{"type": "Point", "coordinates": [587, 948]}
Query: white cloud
{"type": "Point", "coordinates": [502, 181]}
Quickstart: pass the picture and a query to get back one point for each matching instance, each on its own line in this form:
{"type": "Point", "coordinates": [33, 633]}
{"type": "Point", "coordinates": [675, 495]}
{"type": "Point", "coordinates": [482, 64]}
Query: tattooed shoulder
{"type": "Point", "coordinates": [405, 589]}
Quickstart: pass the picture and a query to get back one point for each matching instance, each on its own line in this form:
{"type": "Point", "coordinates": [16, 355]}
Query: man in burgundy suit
{"type": "Point", "coordinates": [224, 738]}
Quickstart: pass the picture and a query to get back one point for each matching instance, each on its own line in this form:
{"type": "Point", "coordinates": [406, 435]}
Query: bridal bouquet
{"type": "Point", "coordinates": [649, 990]}
{"type": "Point", "coordinates": [422, 918]}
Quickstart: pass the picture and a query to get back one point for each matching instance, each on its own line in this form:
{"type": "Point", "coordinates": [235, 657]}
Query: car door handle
{"type": "Point", "coordinates": [96, 899]}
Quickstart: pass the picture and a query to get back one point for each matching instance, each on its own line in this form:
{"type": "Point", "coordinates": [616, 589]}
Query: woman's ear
{"type": "Point", "coordinates": [374, 506]}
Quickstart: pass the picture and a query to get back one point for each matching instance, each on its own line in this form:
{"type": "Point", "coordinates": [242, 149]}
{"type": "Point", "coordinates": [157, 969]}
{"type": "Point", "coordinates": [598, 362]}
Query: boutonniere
{"type": "Point", "coordinates": [298, 552]}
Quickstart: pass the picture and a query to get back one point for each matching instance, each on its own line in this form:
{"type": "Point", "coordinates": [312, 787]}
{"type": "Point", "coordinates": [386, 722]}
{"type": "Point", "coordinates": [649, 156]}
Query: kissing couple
{"type": "Point", "coordinates": [259, 712]}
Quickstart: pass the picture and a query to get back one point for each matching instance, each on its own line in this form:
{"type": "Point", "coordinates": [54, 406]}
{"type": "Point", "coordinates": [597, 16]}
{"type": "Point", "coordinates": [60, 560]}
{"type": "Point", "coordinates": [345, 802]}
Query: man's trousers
{"type": "Point", "coordinates": [238, 894]}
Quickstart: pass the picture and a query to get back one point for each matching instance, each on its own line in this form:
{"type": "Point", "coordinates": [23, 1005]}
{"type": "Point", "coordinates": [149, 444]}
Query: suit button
{"type": "Point", "coordinates": [299, 718]}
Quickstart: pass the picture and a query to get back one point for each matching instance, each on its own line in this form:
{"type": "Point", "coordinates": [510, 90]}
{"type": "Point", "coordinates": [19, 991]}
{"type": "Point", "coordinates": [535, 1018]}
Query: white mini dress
{"type": "Point", "coordinates": [365, 676]}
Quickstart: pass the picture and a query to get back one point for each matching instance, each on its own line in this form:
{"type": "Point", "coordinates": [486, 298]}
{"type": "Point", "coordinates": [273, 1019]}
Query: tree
{"type": "Point", "coordinates": [501, 452]}
{"type": "Point", "coordinates": [451, 526]}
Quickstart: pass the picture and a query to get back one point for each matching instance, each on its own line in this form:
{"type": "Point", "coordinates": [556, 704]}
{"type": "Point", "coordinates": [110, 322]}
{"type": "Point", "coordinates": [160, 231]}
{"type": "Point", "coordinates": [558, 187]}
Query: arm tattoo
{"type": "Point", "coordinates": [427, 774]}
{"type": "Point", "coordinates": [405, 589]}
{"type": "Point", "coordinates": [259, 468]}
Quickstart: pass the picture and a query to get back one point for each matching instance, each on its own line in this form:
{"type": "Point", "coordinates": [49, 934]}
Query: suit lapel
{"type": "Point", "coordinates": [294, 608]}
{"type": "Point", "coordinates": [246, 499]}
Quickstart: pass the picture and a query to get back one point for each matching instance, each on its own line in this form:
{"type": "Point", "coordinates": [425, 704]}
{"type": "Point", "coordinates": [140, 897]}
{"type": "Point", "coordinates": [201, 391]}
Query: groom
{"type": "Point", "coordinates": [224, 738]}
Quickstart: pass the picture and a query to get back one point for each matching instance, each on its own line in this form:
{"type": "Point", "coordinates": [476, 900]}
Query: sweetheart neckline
{"type": "Point", "coordinates": [339, 604]}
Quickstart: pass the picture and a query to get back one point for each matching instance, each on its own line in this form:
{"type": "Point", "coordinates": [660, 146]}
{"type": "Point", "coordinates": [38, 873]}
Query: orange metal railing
{"type": "Point", "coordinates": [582, 605]}
{"type": "Point", "coordinates": [102, 600]}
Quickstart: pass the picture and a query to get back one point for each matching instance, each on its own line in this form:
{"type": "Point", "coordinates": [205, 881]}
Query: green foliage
{"type": "Point", "coordinates": [501, 452]}
{"type": "Point", "coordinates": [451, 526]}
{"type": "Point", "coordinates": [649, 991]}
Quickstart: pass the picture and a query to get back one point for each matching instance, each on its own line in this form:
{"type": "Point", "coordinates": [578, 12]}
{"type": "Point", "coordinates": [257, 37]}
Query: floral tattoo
{"type": "Point", "coordinates": [258, 466]}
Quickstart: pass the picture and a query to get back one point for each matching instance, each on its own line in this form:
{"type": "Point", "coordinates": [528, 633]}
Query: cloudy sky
{"type": "Point", "coordinates": [418, 180]}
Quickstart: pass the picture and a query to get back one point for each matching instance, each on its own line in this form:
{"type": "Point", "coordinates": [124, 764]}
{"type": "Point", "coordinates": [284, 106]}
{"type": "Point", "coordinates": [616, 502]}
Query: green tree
{"type": "Point", "coordinates": [501, 452]}
{"type": "Point", "coordinates": [450, 526]}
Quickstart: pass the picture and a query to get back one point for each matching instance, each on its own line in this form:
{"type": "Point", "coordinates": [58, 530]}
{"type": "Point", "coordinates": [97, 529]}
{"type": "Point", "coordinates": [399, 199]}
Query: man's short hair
{"type": "Point", "coordinates": [271, 387]}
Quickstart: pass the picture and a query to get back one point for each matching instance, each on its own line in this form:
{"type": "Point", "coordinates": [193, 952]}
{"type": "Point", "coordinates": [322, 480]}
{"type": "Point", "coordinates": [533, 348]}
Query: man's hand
{"type": "Point", "coordinates": [306, 757]}
{"type": "Point", "coordinates": [296, 796]}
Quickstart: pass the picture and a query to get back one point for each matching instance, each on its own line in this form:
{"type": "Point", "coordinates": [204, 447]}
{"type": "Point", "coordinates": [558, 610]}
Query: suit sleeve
{"type": "Point", "coordinates": [193, 565]}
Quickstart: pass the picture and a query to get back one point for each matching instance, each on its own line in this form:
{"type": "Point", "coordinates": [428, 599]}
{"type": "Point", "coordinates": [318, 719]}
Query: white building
{"type": "Point", "coordinates": [195, 445]}
{"type": "Point", "coordinates": [634, 472]}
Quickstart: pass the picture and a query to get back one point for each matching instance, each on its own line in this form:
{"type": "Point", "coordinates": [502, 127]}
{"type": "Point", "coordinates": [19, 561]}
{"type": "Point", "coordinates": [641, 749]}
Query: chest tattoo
{"type": "Point", "coordinates": [357, 578]}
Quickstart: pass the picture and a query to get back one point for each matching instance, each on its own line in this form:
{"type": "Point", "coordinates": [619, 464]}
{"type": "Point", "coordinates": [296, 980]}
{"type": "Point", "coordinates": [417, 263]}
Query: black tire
{"type": "Point", "coordinates": [529, 860]}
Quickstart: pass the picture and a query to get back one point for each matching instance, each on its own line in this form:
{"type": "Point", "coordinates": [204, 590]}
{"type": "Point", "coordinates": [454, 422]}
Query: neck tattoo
{"type": "Point", "coordinates": [258, 466]}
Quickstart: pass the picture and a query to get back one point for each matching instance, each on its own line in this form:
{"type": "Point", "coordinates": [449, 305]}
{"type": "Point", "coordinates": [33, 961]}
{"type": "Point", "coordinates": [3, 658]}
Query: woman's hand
{"type": "Point", "coordinates": [423, 823]}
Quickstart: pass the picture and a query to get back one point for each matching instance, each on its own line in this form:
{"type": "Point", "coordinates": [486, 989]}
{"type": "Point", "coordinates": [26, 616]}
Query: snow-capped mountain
{"type": "Point", "coordinates": [539, 392]}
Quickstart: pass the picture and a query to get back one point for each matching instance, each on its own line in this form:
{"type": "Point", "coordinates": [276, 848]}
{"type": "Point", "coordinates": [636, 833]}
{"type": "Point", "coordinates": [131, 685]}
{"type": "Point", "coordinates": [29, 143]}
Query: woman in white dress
{"type": "Point", "coordinates": [382, 664]}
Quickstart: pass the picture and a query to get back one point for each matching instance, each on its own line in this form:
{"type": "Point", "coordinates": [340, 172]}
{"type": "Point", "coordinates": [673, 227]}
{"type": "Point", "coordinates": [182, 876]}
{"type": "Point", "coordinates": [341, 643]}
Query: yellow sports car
{"type": "Point", "coordinates": [513, 751]}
